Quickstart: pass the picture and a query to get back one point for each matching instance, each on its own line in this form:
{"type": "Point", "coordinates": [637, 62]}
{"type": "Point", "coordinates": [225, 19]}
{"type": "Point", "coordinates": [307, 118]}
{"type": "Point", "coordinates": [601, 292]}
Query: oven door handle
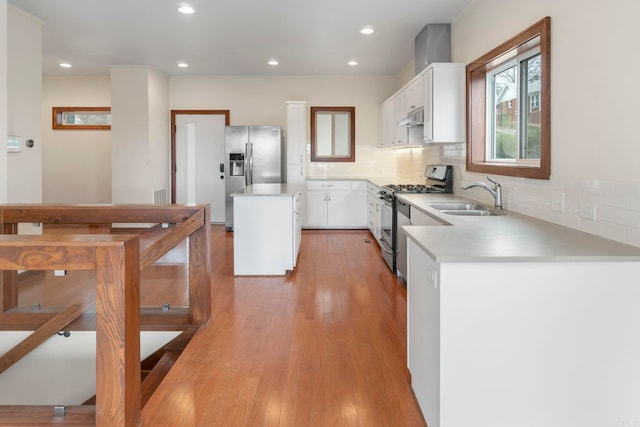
{"type": "Point", "coordinates": [386, 250]}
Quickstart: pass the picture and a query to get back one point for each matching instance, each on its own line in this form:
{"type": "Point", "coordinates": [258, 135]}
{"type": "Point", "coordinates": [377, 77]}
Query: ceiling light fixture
{"type": "Point", "coordinates": [64, 64]}
{"type": "Point", "coordinates": [366, 30]}
{"type": "Point", "coordinates": [352, 63]}
{"type": "Point", "coordinates": [186, 9]}
{"type": "Point", "coordinates": [273, 62]}
{"type": "Point", "coordinates": [182, 64]}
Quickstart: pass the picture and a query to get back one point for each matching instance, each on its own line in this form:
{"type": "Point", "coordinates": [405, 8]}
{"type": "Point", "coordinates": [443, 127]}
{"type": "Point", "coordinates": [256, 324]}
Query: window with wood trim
{"type": "Point", "coordinates": [508, 107]}
{"type": "Point", "coordinates": [77, 118]}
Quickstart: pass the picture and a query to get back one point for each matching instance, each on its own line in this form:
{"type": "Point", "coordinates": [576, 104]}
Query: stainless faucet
{"type": "Point", "coordinates": [496, 190]}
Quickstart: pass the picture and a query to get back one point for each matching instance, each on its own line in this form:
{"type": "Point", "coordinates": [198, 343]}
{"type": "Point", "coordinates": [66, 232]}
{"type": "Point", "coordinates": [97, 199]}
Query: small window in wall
{"type": "Point", "coordinates": [91, 118]}
{"type": "Point", "coordinates": [333, 134]}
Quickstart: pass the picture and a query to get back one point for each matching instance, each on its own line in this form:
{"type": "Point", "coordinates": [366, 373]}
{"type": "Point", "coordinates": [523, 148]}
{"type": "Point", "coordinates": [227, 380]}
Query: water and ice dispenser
{"type": "Point", "coordinates": [236, 164]}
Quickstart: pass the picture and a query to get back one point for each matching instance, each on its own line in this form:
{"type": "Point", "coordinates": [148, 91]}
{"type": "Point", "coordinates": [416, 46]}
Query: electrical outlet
{"type": "Point", "coordinates": [557, 201]}
{"type": "Point", "coordinates": [588, 211]}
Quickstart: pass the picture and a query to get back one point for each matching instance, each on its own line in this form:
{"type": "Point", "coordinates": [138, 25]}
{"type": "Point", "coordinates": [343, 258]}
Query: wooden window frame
{"type": "Point", "coordinates": [56, 115]}
{"type": "Point", "coordinates": [477, 104]}
{"type": "Point", "coordinates": [352, 134]}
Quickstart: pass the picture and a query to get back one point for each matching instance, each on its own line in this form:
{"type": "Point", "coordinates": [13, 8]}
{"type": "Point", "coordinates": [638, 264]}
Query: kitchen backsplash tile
{"type": "Point", "coordinates": [617, 203]}
{"type": "Point", "coordinates": [370, 161]}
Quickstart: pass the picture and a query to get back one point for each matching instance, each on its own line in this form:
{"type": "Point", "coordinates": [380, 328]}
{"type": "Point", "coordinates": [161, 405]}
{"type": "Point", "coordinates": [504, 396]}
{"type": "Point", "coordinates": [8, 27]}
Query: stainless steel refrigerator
{"type": "Point", "coordinates": [254, 156]}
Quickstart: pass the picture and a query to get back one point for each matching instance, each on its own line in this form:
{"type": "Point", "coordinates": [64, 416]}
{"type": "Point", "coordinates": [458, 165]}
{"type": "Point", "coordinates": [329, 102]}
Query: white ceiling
{"type": "Point", "coordinates": [235, 37]}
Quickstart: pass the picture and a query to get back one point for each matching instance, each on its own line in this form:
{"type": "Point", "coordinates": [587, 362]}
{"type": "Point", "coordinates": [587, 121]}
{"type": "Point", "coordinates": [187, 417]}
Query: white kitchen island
{"type": "Point", "coordinates": [514, 321]}
{"type": "Point", "coordinates": [267, 229]}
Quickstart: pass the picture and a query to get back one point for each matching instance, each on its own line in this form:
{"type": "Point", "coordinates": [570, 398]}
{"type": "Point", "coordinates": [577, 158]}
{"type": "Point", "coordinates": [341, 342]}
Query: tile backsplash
{"type": "Point", "coordinates": [370, 161]}
{"type": "Point", "coordinates": [562, 200]}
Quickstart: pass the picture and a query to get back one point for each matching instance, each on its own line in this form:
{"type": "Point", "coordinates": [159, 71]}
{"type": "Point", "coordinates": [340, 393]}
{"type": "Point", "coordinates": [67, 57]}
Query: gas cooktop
{"type": "Point", "coordinates": [440, 174]}
{"type": "Point", "coordinates": [414, 188]}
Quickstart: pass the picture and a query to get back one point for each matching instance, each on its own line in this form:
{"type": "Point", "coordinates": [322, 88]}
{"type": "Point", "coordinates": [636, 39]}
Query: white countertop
{"type": "Point", "coordinates": [511, 237]}
{"type": "Point", "coordinates": [375, 180]}
{"type": "Point", "coordinates": [289, 190]}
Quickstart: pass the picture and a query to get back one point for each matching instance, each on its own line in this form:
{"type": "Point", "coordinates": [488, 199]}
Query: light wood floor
{"type": "Point", "coordinates": [322, 346]}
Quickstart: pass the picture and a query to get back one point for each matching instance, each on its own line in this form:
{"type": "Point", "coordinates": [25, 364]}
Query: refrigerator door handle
{"type": "Point", "coordinates": [246, 169]}
{"type": "Point", "coordinates": [251, 163]}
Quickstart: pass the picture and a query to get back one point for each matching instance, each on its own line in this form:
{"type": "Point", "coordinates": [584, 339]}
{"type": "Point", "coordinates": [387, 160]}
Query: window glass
{"type": "Point", "coordinates": [333, 134]}
{"type": "Point", "coordinates": [531, 120]}
{"type": "Point", "coordinates": [74, 118]}
{"type": "Point", "coordinates": [508, 107]}
{"type": "Point", "coordinates": [342, 137]}
{"type": "Point", "coordinates": [514, 126]}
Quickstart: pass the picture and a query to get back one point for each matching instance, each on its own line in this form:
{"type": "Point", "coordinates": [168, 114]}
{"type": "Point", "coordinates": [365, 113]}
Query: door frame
{"type": "Point", "coordinates": [174, 165]}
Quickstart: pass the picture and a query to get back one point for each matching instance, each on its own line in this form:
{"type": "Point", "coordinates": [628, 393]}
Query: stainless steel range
{"type": "Point", "coordinates": [395, 214]}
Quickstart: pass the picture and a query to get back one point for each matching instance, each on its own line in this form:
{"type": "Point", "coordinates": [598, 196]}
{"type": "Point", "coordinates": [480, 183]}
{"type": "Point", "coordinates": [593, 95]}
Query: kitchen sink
{"type": "Point", "coordinates": [471, 212]}
{"type": "Point", "coordinates": [463, 209]}
{"type": "Point", "coordinates": [454, 206]}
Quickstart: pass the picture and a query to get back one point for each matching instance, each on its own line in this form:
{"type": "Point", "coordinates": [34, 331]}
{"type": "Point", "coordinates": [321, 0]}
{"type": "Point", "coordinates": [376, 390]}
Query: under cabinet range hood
{"type": "Point", "coordinates": [432, 44]}
{"type": "Point", "coordinates": [415, 118]}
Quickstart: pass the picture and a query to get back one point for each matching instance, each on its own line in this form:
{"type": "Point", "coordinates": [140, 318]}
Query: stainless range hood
{"type": "Point", "coordinates": [415, 118]}
{"type": "Point", "coordinates": [432, 44]}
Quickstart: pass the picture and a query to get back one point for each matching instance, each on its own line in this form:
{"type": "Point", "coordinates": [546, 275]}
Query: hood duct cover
{"type": "Point", "coordinates": [433, 44]}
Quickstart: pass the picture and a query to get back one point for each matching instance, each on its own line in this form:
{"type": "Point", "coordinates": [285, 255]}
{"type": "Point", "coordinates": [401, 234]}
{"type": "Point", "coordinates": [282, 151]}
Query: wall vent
{"type": "Point", "coordinates": [160, 197]}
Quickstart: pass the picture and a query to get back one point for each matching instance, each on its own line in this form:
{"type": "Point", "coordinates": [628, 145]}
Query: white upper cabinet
{"type": "Point", "coordinates": [296, 131]}
{"type": "Point", "coordinates": [444, 102]}
{"type": "Point", "coordinates": [415, 94]}
{"type": "Point", "coordinates": [387, 128]}
{"type": "Point", "coordinates": [440, 89]}
{"type": "Point", "coordinates": [401, 110]}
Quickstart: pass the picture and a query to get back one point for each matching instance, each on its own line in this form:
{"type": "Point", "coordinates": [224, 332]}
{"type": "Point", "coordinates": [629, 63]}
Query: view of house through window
{"type": "Point", "coordinates": [508, 106]}
{"type": "Point", "coordinates": [514, 127]}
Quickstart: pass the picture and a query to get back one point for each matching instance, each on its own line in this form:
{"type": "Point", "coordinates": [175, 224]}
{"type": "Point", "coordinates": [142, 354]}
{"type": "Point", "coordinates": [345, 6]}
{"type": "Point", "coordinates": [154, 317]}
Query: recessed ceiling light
{"type": "Point", "coordinates": [273, 62]}
{"type": "Point", "coordinates": [366, 30]}
{"type": "Point", "coordinates": [186, 9]}
{"type": "Point", "coordinates": [64, 64]}
{"type": "Point", "coordinates": [182, 64]}
{"type": "Point", "coordinates": [352, 63]}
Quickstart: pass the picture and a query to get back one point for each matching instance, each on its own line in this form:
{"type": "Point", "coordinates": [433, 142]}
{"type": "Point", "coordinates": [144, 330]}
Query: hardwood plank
{"type": "Point", "coordinates": [98, 214]}
{"type": "Point", "coordinates": [157, 374]}
{"type": "Point", "coordinates": [117, 335]}
{"type": "Point", "coordinates": [324, 345]}
{"type": "Point", "coordinates": [46, 257]}
{"type": "Point", "coordinates": [168, 241]}
{"type": "Point", "coordinates": [27, 415]}
{"type": "Point", "coordinates": [39, 336]}
{"type": "Point", "coordinates": [200, 271]}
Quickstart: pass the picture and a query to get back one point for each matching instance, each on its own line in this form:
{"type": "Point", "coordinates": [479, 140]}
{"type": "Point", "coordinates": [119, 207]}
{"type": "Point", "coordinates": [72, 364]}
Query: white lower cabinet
{"type": "Point", "coordinates": [374, 211]}
{"type": "Point", "coordinates": [491, 340]}
{"type": "Point", "coordinates": [358, 204]}
{"type": "Point", "coordinates": [267, 234]}
{"type": "Point", "coordinates": [420, 218]}
{"type": "Point", "coordinates": [333, 204]}
{"type": "Point", "coordinates": [423, 331]}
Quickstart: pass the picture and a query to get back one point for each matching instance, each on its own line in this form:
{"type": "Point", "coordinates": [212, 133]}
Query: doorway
{"type": "Point", "coordinates": [197, 158]}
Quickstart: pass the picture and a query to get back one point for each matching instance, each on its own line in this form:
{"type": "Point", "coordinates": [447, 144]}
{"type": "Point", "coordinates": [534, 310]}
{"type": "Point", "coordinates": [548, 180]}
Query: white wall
{"type": "Point", "coordinates": [594, 109]}
{"type": "Point", "coordinates": [76, 164]}
{"type": "Point", "coordinates": [24, 86]}
{"type": "Point", "coordinates": [262, 101]}
{"type": "Point", "coordinates": [159, 131]}
{"type": "Point", "coordinates": [3, 101]}
{"type": "Point", "coordinates": [130, 180]}
{"type": "Point", "coordinates": [139, 133]}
